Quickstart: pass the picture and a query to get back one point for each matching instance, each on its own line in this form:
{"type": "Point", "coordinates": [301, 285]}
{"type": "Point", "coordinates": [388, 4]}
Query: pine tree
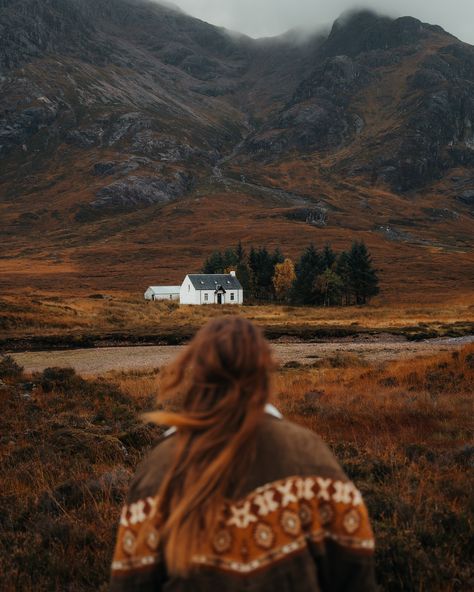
{"type": "Point", "coordinates": [343, 270]}
{"type": "Point", "coordinates": [277, 256]}
{"type": "Point", "coordinates": [309, 266]}
{"type": "Point", "coordinates": [240, 253]}
{"type": "Point", "coordinates": [244, 276]}
{"type": "Point", "coordinates": [262, 268]}
{"type": "Point", "coordinates": [329, 257]}
{"type": "Point", "coordinates": [214, 263]}
{"type": "Point", "coordinates": [230, 260]}
{"type": "Point", "coordinates": [364, 280]}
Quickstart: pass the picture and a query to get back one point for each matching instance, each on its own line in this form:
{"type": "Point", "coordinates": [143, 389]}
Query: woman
{"type": "Point", "coordinates": [234, 497]}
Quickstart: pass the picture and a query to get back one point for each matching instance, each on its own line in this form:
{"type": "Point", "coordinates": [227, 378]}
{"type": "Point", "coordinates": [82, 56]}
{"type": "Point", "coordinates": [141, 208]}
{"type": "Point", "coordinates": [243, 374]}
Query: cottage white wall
{"type": "Point", "coordinates": [171, 296]}
{"type": "Point", "coordinates": [187, 293]}
{"type": "Point", "coordinates": [210, 297]}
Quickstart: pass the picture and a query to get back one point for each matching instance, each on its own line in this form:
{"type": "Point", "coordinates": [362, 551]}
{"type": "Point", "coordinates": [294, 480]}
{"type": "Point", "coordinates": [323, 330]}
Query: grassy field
{"type": "Point", "coordinates": [402, 430]}
{"type": "Point", "coordinates": [57, 320]}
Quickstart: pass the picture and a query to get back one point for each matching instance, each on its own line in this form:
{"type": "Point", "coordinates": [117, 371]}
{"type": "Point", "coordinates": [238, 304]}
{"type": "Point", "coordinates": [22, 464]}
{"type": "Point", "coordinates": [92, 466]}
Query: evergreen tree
{"type": "Point", "coordinates": [244, 276]}
{"type": "Point", "coordinates": [309, 266]}
{"type": "Point", "coordinates": [214, 263]}
{"type": "Point", "coordinates": [277, 256]}
{"type": "Point", "coordinates": [262, 269]}
{"type": "Point", "coordinates": [329, 257]}
{"type": "Point", "coordinates": [364, 280]}
{"type": "Point", "coordinates": [230, 260]}
{"type": "Point", "coordinates": [343, 270]}
{"type": "Point", "coordinates": [240, 253]}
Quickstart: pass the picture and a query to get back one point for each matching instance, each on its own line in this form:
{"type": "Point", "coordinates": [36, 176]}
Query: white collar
{"type": "Point", "coordinates": [272, 410]}
{"type": "Point", "coordinates": [269, 410]}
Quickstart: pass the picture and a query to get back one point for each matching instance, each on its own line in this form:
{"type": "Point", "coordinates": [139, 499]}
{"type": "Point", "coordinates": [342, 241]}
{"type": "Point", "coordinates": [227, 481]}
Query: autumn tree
{"type": "Point", "coordinates": [283, 278]}
{"type": "Point", "coordinates": [330, 286]}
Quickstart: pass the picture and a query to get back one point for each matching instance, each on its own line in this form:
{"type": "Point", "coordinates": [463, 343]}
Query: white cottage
{"type": "Point", "coordinates": [162, 293]}
{"type": "Point", "coordinates": [211, 288]}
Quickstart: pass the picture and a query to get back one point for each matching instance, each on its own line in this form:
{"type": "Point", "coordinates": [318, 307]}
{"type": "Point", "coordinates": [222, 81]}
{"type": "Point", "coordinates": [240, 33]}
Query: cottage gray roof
{"type": "Point", "coordinates": [212, 281]}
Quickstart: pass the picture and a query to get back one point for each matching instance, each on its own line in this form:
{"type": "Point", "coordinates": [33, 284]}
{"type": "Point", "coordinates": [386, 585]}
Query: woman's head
{"type": "Point", "coordinates": [228, 362]}
{"type": "Point", "coordinates": [222, 380]}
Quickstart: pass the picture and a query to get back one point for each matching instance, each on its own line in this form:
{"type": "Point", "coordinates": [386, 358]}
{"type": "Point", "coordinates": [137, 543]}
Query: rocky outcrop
{"type": "Point", "coordinates": [109, 168]}
{"type": "Point", "coordinates": [467, 198]}
{"type": "Point", "coordinates": [316, 216]}
{"type": "Point", "coordinates": [439, 134]}
{"type": "Point", "coordinates": [363, 31]}
{"type": "Point", "coordinates": [134, 193]}
{"type": "Point", "coordinates": [318, 116]}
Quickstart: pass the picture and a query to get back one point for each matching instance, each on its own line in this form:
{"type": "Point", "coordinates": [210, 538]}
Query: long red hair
{"type": "Point", "coordinates": [222, 380]}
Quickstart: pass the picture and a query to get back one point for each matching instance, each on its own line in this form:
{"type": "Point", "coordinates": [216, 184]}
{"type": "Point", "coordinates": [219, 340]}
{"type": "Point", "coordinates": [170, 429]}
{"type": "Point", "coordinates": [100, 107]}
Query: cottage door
{"type": "Point", "coordinates": [219, 298]}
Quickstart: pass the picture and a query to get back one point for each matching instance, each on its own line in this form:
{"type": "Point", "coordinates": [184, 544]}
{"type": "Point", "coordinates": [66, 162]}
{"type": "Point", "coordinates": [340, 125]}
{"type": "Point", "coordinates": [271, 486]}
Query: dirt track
{"type": "Point", "coordinates": [100, 360]}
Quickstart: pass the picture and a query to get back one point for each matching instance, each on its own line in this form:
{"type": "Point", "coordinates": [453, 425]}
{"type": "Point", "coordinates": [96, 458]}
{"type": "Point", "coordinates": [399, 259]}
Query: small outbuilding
{"type": "Point", "coordinates": [211, 288]}
{"type": "Point", "coordinates": [162, 293]}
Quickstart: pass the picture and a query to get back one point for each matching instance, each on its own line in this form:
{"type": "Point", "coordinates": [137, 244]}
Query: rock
{"type": "Point", "coordinates": [135, 193]}
{"type": "Point", "coordinates": [467, 198]}
{"type": "Point", "coordinates": [85, 138]}
{"type": "Point", "coordinates": [363, 30]}
{"type": "Point", "coordinates": [440, 214]}
{"type": "Point", "coordinates": [314, 216]}
{"type": "Point", "coordinates": [163, 149]}
{"type": "Point", "coordinates": [105, 169]}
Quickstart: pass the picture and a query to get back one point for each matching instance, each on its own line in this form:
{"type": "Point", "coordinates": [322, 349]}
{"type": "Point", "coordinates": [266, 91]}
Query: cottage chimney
{"type": "Point", "coordinates": [232, 273]}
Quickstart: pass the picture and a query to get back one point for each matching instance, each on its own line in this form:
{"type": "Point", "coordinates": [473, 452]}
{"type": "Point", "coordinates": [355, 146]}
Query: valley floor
{"type": "Point", "coordinates": [291, 354]}
{"type": "Point", "coordinates": [43, 321]}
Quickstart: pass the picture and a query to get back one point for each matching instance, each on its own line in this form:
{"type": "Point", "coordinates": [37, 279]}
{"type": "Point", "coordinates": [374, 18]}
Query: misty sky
{"type": "Point", "coordinates": [260, 18]}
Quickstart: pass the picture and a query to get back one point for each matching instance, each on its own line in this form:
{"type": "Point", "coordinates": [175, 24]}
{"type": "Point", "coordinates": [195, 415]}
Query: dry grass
{"type": "Point", "coordinates": [403, 431]}
{"type": "Point", "coordinates": [122, 317]}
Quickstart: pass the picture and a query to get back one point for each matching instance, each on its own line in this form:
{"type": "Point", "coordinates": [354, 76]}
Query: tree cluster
{"type": "Point", "coordinates": [320, 278]}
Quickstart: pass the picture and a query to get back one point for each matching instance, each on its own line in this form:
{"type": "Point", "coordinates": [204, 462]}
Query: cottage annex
{"type": "Point", "coordinates": [162, 293]}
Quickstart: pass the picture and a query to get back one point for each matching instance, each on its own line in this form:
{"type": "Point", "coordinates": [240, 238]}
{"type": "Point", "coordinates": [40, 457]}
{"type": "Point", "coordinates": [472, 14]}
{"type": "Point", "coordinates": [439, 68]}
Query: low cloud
{"type": "Point", "coordinates": [262, 18]}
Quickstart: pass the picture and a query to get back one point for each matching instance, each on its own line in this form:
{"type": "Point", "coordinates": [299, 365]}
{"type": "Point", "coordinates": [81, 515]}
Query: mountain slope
{"type": "Point", "coordinates": [134, 139]}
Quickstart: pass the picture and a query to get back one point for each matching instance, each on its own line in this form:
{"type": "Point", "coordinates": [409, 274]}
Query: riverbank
{"type": "Point", "coordinates": [366, 349]}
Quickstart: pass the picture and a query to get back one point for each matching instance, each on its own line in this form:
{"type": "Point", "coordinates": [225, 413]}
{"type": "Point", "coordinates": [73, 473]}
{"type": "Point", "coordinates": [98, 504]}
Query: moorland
{"type": "Point", "coordinates": [401, 429]}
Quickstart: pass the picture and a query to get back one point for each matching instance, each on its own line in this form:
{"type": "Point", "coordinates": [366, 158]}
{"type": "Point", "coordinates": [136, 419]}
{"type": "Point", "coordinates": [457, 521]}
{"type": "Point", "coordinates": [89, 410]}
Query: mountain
{"type": "Point", "coordinates": [134, 139]}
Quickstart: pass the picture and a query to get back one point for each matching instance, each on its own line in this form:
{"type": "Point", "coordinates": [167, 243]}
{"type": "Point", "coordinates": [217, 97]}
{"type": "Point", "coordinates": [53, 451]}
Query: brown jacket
{"type": "Point", "coordinates": [301, 525]}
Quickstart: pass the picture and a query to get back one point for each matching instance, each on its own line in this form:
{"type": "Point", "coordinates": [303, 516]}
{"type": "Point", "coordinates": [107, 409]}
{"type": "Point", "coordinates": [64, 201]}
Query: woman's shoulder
{"type": "Point", "coordinates": [287, 450]}
{"type": "Point", "coordinates": [152, 469]}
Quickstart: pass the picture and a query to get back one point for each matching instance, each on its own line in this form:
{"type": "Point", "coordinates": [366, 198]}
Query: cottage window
{"type": "Point", "coordinates": [206, 297]}
{"type": "Point", "coordinates": [232, 296]}
{"type": "Point", "coordinates": [189, 287]}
